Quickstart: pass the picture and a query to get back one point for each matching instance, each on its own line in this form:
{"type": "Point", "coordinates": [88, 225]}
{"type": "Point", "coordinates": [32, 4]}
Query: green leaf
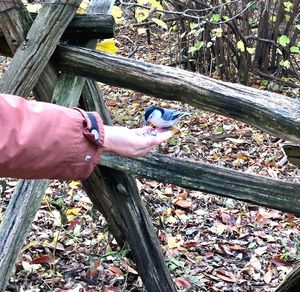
{"type": "Point", "coordinates": [283, 40]}
{"type": "Point", "coordinates": [218, 129]}
{"type": "Point", "coordinates": [250, 20]}
{"type": "Point", "coordinates": [297, 26]}
{"type": "Point", "coordinates": [285, 64]}
{"type": "Point", "coordinates": [294, 49]}
{"type": "Point", "coordinates": [217, 32]}
{"type": "Point", "coordinates": [216, 17]}
{"type": "Point", "coordinates": [193, 25]}
{"type": "Point", "coordinates": [196, 47]}
{"type": "Point", "coordinates": [252, 244]}
{"type": "Point", "coordinates": [199, 45]}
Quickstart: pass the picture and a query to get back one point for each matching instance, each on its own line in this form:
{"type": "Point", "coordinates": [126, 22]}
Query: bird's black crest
{"type": "Point", "coordinates": [149, 111]}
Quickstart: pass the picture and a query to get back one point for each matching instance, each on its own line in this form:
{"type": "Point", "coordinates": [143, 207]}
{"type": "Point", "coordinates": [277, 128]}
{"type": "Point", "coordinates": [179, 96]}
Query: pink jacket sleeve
{"type": "Point", "coordinates": [41, 140]}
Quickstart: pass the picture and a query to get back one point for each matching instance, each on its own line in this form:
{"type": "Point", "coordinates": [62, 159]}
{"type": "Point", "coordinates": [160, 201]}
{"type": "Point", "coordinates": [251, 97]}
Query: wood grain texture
{"type": "Point", "coordinates": [116, 195]}
{"type": "Point", "coordinates": [28, 194]}
{"type": "Point", "coordinates": [273, 113]}
{"type": "Point", "coordinates": [35, 51]}
{"type": "Point", "coordinates": [204, 177]}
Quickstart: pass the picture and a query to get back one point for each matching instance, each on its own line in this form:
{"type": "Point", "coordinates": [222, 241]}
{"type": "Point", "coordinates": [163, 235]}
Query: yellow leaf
{"type": "Point", "coordinates": [107, 46]}
{"type": "Point", "coordinates": [116, 12]}
{"type": "Point", "coordinates": [173, 242]}
{"type": "Point", "coordinates": [72, 213]}
{"type": "Point", "coordinates": [250, 50]}
{"type": "Point", "coordinates": [257, 137]}
{"type": "Point", "coordinates": [33, 7]}
{"type": "Point", "coordinates": [74, 183]}
{"type": "Point", "coordinates": [220, 228]}
{"type": "Point", "coordinates": [141, 14]}
{"type": "Point", "coordinates": [141, 30]}
{"type": "Point", "coordinates": [241, 46]}
{"type": "Point", "coordinates": [83, 7]}
{"type": "Point", "coordinates": [160, 23]}
{"type": "Point", "coordinates": [155, 4]}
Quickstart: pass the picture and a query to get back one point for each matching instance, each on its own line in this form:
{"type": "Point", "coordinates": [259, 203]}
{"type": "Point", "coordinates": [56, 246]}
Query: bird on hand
{"type": "Point", "coordinates": [162, 118]}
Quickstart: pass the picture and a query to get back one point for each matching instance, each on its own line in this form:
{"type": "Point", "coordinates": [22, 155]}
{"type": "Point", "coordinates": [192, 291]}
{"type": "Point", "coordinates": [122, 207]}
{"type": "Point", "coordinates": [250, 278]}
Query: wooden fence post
{"type": "Point", "coordinates": [29, 193]}
{"type": "Point", "coordinates": [153, 270]}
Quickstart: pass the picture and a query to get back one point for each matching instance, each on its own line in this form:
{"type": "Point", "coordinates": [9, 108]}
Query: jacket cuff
{"type": "Point", "coordinates": [93, 140]}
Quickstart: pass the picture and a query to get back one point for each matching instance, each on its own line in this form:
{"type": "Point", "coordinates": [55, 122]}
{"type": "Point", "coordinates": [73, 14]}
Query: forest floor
{"type": "Point", "coordinates": [210, 243]}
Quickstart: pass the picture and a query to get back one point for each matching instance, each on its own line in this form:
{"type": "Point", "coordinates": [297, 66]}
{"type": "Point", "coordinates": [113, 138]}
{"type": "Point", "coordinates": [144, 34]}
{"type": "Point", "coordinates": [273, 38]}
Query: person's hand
{"type": "Point", "coordinates": [132, 142]}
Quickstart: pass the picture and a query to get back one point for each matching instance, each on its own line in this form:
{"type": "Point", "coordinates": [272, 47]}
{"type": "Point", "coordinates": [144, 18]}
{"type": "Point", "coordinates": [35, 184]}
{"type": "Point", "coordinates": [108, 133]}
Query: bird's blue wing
{"type": "Point", "coordinates": [169, 115]}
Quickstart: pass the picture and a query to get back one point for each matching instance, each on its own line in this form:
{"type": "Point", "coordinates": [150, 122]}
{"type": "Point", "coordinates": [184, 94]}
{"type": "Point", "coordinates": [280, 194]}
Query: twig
{"type": "Point", "coordinates": [272, 77]}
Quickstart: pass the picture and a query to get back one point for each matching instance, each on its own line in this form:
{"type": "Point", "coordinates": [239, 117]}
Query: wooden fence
{"type": "Point", "coordinates": [35, 42]}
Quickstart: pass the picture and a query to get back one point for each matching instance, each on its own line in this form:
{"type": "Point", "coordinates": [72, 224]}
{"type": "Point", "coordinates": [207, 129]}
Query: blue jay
{"type": "Point", "coordinates": [162, 118]}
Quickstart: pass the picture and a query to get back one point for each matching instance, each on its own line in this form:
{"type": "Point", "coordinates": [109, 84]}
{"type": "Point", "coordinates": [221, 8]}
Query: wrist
{"type": "Point", "coordinates": [107, 139]}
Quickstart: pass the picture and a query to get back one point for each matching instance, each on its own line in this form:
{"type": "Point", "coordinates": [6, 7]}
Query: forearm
{"type": "Point", "coordinates": [41, 140]}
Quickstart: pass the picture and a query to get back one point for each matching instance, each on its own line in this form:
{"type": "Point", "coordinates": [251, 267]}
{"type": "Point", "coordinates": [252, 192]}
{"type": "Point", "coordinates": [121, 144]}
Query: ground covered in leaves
{"type": "Point", "coordinates": [210, 243]}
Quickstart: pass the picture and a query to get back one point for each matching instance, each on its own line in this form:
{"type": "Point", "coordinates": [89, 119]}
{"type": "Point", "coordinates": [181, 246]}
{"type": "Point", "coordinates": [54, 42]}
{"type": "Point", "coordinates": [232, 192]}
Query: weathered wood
{"type": "Point", "coordinates": [18, 218]}
{"type": "Point", "coordinates": [35, 52]}
{"type": "Point", "coordinates": [201, 176]}
{"type": "Point", "coordinates": [274, 113]}
{"type": "Point", "coordinates": [28, 195]}
{"type": "Point", "coordinates": [107, 187]}
{"type": "Point", "coordinates": [82, 28]}
{"type": "Point", "coordinates": [15, 23]}
{"type": "Point", "coordinates": [292, 151]}
{"type": "Point", "coordinates": [117, 197]}
{"type": "Point", "coordinates": [291, 283]}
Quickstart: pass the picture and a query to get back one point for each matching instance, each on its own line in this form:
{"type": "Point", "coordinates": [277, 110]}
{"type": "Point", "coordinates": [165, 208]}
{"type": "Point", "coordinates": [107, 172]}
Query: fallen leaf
{"type": "Point", "coordinates": [116, 271]}
{"type": "Point", "coordinates": [226, 276]}
{"type": "Point", "coordinates": [44, 259]}
{"type": "Point", "coordinates": [110, 289]}
{"type": "Point", "coordinates": [30, 267]}
{"type": "Point", "coordinates": [183, 204]}
{"type": "Point", "coordinates": [173, 242]}
{"type": "Point", "coordinates": [128, 269]}
{"type": "Point", "coordinates": [236, 248]}
{"type": "Point", "coordinates": [268, 275]}
{"type": "Point", "coordinates": [189, 244]}
{"type": "Point", "coordinates": [107, 46]}
{"type": "Point", "coordinates": [183, 283]}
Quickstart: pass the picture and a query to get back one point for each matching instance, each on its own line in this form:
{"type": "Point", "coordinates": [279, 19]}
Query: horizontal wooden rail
{"type": "Point", "coordinates": [81, 29]}
{"type": "Point", "coordinates": [274, 113]}
{"type": "Point", "coordinates": [201, 176]}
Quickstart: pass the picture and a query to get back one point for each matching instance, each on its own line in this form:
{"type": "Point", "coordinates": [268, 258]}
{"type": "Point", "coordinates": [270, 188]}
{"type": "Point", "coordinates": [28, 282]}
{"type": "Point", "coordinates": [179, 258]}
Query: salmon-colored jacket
{"type": "Point", "coordinates": [41, 140]}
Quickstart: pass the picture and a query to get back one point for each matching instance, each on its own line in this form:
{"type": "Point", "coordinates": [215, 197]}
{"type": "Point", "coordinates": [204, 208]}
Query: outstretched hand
{"type": "Point", "coordinates": [132, 142]}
